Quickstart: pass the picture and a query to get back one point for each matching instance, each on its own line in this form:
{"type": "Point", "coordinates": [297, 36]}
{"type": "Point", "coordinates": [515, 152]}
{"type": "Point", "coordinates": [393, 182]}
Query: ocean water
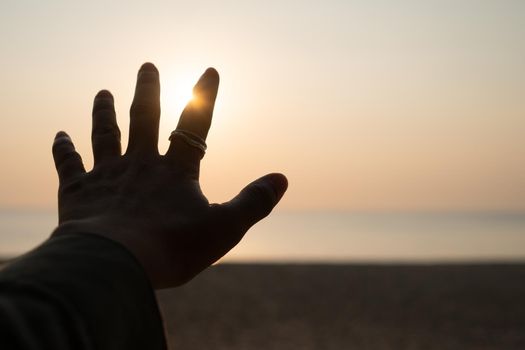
{"type": "Point", "coordinates": [337, 237]}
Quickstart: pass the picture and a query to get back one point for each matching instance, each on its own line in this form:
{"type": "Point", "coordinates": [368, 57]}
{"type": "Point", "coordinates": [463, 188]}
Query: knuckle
{"type": "Point", "coordinates": [264, 196]}
{"type": "Point", "coordinates": [103, 130]}
{"type": "Point", "coordinates": [144, 108]}
{"type": "Point", "coordinates": [103, 106]}
{"type": "Point", "coordinates": [67, 157]}
{"type": "Point", "coordinates": [62, 145]}
{"type": "Point", "coordinates": [257, 200]}
{"type": "Point", "coordinates": [71, 186]}
{"type": "Point", "coordinates": [148, 77]}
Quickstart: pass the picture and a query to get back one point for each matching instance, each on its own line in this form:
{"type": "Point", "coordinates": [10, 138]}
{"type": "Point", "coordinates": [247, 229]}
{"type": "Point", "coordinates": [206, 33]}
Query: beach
{"type": "Point", "coordinates": [348, 306]}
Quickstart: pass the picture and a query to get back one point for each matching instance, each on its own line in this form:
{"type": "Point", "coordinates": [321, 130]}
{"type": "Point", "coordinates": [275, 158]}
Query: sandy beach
{"type": "Point", "coordinates": [236, 306]}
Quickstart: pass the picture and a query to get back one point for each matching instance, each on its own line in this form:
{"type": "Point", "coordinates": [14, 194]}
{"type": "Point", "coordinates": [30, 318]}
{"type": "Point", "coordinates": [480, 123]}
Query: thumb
{"type": "Point", "coordinates": [257, 200]}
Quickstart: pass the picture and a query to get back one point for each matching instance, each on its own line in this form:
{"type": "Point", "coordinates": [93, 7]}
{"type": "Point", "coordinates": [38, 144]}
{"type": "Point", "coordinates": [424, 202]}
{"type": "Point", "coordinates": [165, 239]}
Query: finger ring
{"type": "Point", "coordinates": [190, 138]}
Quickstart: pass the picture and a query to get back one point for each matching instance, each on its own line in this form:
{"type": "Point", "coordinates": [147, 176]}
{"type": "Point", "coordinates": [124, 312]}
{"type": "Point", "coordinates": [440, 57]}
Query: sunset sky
{"type": "Point", "coordinates": [364, 105]}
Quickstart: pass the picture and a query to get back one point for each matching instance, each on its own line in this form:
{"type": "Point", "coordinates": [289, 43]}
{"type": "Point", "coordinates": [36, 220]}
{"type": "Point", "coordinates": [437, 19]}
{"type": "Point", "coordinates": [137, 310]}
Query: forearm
{"type": "Point", "coordinates": [78, 291]}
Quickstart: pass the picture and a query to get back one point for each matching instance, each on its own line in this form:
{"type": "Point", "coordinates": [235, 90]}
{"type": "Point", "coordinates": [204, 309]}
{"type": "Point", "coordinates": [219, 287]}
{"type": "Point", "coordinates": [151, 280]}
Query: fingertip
{"type": "Point", "coordinates": [279, 184]}
{"type": "Point", "coordinates": [103, 101]}
{"type": "Point", "coordinates": [212, 73]}
{"type": "Point", "coordinates": [148, 67]}
{"type": "Point", "coordinates": [208, 84]}
{"type": "Point", "coordinates": [148, 74]}
{"type": "Point", "coordinates": [104, 94]}
{"type": "Point", "coordinates": [208, 80]}
{"type": "Point", "coordinates": [61, 139]}
{"type": "Point", "coordinates": [259, 198]}
{"type": "Point", "coordinates": [62, 134]}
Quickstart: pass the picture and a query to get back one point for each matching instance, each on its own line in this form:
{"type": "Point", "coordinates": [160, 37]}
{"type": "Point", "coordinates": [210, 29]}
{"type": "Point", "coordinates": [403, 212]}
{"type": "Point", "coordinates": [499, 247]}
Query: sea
{"type": "Point", "coordinates": [336, 237]}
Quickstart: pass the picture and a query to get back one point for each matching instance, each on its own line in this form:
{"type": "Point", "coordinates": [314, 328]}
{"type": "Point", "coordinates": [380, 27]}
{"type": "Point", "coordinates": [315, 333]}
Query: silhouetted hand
{"type": "Point", "coordinates": [151, 203]}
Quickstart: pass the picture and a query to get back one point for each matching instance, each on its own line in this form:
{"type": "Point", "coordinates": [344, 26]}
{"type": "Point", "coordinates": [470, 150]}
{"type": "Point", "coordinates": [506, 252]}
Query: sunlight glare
{"type": "Point", "coordinates": [176, 92]}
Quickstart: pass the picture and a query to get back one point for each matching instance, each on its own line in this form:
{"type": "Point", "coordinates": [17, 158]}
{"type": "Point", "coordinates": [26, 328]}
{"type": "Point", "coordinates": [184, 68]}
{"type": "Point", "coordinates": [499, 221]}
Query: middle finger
{"type": "Point", "coordinates": [145, 112]}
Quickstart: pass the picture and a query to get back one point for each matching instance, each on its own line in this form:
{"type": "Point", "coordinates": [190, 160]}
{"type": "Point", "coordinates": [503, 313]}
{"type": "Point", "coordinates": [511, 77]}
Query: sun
{"type": "Point", "coordinates": [176, 92]}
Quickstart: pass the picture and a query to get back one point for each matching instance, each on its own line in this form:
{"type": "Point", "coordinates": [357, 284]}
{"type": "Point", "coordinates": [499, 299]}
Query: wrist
{"type": "Point", "coordinates": [134, 241]}
{"type": "Point", "coordinates": [94, 228]}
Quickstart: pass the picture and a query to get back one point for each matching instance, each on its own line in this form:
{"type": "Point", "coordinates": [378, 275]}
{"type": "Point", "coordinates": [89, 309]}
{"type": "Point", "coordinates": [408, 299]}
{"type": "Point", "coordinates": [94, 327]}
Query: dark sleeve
{"type": "Point", "coordinates": [78, 291]}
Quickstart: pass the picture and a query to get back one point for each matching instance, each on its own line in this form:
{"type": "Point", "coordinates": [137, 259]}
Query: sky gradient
{"type": "Point", "coordinates": [364, 105]}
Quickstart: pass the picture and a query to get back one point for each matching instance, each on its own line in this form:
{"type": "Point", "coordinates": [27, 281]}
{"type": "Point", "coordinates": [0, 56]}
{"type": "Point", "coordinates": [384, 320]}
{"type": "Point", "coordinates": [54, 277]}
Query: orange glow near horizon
{"type": "Point", "coordinates": [363, 105]}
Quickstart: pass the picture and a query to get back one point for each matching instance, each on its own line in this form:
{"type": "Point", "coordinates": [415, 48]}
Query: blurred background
{"type": "Point", "coordinates": [400, 125]}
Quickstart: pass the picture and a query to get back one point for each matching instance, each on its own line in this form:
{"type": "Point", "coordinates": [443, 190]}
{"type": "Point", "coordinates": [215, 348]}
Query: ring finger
{"type": "Point", "coordinates": [195, 121]}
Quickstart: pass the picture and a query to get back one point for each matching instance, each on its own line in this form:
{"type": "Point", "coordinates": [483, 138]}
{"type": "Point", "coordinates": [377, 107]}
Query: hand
{"type": "Point", "coordinates": [151, 203]}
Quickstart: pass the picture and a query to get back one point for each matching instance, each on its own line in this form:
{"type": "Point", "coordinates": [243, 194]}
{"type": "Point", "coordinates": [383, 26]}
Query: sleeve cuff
{"type": "Point", "coordinates": [100, 282]}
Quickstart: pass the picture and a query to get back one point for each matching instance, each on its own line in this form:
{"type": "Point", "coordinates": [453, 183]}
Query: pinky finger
{"type": "Point", "coordinates": [67, 161]}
